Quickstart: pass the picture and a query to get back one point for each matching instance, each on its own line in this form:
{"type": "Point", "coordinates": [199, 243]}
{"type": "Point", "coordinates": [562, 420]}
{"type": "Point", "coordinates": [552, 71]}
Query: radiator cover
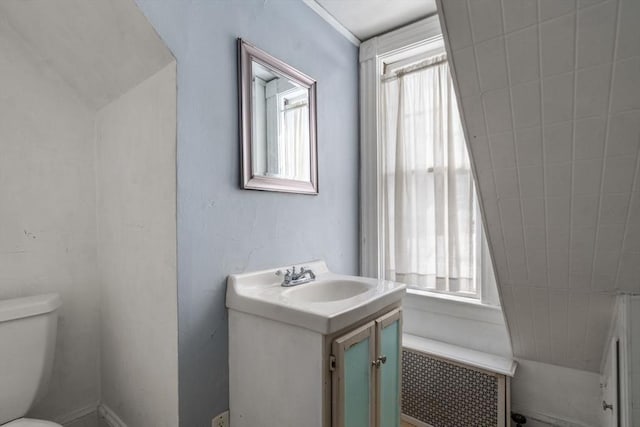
{"type": "Point", "coordinates": [442, 393]}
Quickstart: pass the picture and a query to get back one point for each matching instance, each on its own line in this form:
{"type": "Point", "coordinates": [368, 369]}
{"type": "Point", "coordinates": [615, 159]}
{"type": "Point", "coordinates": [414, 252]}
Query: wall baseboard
{"type": "Point", "coordinates": [106, 414]}
{"type": "Point", "coordinates": [550, 420]}
{"type": "Point", "coordinates": [413, 421]}
{"type": "Point", "coordinates": [76, 414]}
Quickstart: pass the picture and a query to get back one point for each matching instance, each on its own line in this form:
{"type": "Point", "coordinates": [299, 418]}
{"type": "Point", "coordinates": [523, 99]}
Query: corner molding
{"type": "Point", "coordinates": [548, 419]}
{"type": "Point", "coordinates": [77, 414]}
{"type": "Point", "coordinates": [405, 37]}
{"type": "Point", "coordinates": [110, 417]}
{"type": "Point", "coordinates": [322, 12]}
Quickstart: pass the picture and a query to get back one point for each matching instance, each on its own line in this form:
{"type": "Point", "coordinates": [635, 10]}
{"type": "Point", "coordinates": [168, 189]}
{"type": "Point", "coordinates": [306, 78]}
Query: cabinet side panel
{"type": "Point", "coordinates": [275, 373]}
{"type": "Point", "coordinates": [634, 334]}
{"type": "Point", "coordinates": [390, 376]}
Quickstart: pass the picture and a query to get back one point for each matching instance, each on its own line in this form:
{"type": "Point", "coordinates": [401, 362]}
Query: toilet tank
{"type": "Point", "coordinates": [27, 341]}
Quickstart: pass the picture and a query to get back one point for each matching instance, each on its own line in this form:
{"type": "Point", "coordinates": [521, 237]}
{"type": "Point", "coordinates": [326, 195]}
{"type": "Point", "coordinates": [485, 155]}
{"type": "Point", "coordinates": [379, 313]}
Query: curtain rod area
{"type": "Point", "coordinates": [428, 63]}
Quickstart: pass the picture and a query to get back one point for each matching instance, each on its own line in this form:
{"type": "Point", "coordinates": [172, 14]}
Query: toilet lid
{"type": "Point", "coordinates": [30, 422]}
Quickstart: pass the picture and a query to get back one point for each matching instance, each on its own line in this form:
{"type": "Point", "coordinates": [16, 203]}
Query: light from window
{"type": "Point", "coordinates": [429, 208]}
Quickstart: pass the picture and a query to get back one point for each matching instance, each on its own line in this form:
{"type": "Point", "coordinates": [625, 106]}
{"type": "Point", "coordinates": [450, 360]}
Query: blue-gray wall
{"type": "Point", "coordinates": [222, 229]}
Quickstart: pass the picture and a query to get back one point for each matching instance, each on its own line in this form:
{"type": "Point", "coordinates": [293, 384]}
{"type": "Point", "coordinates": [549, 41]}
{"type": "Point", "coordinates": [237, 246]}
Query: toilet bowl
{"type": "Point", "coordinates": [28, 329]}
{"type": "Point", "coordinates": [30, 422]}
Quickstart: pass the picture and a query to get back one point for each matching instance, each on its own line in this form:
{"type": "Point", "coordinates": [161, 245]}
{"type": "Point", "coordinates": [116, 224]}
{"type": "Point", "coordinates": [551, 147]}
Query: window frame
{"type": "Point", "coordinates": [421, 38]}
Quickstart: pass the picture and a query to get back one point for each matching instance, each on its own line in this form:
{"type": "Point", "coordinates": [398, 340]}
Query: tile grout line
{"type": "Point", "coordinates": [570, 283]}
{"type": "Point", "coordinates": [573, 147]}
{"type": "Point", "coordinates": [636, 172]}
{"type": "Point", "coordinates": [606, 134]}
{"type": "Point", "coordinates": [514, 328]}
{"type": "Point", "coordinates": [552, 356]}
{"type": "Point", "coordinates": [486, 130]}
{"type": "Point", "coordinates": [515, 151]}
{"type": "Point", "coordinates": [604, 167]}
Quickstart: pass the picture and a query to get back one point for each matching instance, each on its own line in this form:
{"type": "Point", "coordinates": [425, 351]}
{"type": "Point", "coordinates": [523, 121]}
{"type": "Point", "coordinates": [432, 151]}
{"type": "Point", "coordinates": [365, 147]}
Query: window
{"type": "Point", "coordinates": [429, 184]}
{"type": "Point", "coordinates": [430, 222]}
{"type": "Point", "coordinates": [293, 123]}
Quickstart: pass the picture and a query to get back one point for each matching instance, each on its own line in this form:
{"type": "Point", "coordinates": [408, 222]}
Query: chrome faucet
{"type": "Point", "coordinates": [295, 278]}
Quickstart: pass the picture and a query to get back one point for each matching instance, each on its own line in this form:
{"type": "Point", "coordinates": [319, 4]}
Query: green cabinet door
{"type": "Point", "coordinates": [353, 380]}
{"type": "Point", "coordinates": [389, 337]}
{"type": "Point", "coordinates": [367, 373]}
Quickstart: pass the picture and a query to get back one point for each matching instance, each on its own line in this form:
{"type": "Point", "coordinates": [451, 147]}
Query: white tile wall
{"type": "Point", "coordinates": [552, 8]}
{"type": "Point", "coordinates": [526, 105]}
{"type": "Point", "coordinates": [497, 111]}
{"type": "Point", "coordinates": [550, 93]}
{"type": "Point", "coordinates": [629, 30]}
{"type": "Point", "coordinates": [492, 64]}
{"type": "Point", "coordinates": [523, 55]}
{"type": "Point", "coordinates": [489, 22]}
{"type": "Point", "coordinates": [558, 43]}
{"type": "Point", "coordinates": [503, 150]}
{"type": "Point", "coordinates": [558, 141]}
{"type": "Point", "coordinates": [592, 91]}
{"type": "Point", "coordinates": [596, 34]}
{"type": "Point", "coordinates": [589, 143]}
{"type": "Point", "coordinates": [529, 146]}
{"type": "Point", "coordinates": [519, 14]}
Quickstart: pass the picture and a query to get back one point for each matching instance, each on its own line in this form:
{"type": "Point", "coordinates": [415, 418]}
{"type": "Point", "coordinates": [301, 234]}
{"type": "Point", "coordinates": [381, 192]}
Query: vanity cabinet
{"type": "Point", "coordinates": [323, 354]}
{"type": "Point", "coordinates": [288, 376]}
{"type": "Point", "coordinates": [366, 371]}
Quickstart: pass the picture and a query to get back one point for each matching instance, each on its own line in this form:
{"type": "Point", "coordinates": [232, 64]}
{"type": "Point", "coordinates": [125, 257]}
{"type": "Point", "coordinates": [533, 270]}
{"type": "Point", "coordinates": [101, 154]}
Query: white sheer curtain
{"type": "Point", "coordinates": [429, 206]}
{"type": "Point", "coordinates": [295, 161]}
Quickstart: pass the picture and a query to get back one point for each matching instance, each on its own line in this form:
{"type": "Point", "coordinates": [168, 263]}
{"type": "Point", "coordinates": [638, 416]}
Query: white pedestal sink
{"type": "Point", "coordinates": [325, 305]}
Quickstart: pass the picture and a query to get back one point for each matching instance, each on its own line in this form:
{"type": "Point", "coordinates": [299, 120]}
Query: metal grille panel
{"type": "Point", "coordinates": [444, 394]}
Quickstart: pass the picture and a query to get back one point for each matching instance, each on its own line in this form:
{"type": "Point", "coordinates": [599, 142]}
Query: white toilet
{"type": "Point", "coordinates": [27, 341]}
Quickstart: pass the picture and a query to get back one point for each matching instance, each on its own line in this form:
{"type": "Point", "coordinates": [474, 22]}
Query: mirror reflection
{"type": "Point", "coordinates": [280, 142]}
{"type": "Point", "coordinates": [277, 123]}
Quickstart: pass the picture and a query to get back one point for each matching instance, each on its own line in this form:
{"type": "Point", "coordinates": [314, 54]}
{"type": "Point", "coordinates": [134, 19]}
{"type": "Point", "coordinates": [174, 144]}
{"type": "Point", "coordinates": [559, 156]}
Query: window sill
{"type": "Point", "coordinates": [482, 360]}
{"type": "Point", "coordinates": [444, 296]}
{"type": "Point", "coordinates": [453, 305]}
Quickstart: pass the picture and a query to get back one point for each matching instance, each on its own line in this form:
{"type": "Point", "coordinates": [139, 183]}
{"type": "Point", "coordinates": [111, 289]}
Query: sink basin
{"type": "Point", "coordinates": [326, 305]}
{"type": "Point", "coordinates": [327, 290]}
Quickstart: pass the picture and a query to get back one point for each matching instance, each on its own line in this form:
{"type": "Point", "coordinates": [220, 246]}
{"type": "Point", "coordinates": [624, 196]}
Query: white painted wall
{"type": "Point", "coordinates": [474, 326]}
{"type": "Point", "coordinates": [50, 87]}
{"type": "Point", "coordinates": [136, 215]}
{"type": "Point", "coordinates": [100, 48]}
{"type": "Point", "coordinates": [47, 217]}
{"type": "Point", "coordinates": [554, 395]}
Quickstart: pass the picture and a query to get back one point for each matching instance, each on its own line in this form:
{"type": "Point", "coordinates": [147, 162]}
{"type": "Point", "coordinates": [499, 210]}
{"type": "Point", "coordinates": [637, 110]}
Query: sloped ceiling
{"type": "Point", "coordinates": [550, 93]}
{"type": "Point", "coordinates": [68, 36]}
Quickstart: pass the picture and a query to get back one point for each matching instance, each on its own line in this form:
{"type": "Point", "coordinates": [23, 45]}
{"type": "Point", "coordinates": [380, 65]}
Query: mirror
{"type": "Point", "coordinates": [277, 124]}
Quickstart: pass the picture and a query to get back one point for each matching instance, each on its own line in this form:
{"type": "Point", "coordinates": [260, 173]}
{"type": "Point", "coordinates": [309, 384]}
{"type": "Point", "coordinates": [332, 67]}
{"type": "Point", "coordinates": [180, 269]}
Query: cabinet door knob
{"type": "Point", "coordinates": [379, 361]}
